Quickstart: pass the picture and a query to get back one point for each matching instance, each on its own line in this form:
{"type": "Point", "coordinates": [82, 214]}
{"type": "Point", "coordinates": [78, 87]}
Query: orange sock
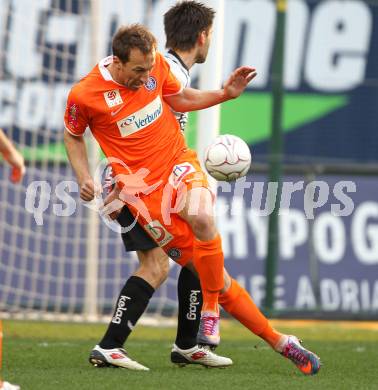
{"type": "Point", "coordinates": [237, 302]}
{"type": "Point", "coordinates": [208, 260]}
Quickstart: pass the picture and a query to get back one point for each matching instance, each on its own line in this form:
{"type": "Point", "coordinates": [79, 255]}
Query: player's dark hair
{"type": "Point", "coordinates": [184, 22]}
{"type": "Point", "coordinates": [131, 37]}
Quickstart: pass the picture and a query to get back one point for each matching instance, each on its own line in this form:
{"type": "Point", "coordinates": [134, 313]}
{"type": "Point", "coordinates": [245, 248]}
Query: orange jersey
{"type": "Point", "coordinates": [136, 127]}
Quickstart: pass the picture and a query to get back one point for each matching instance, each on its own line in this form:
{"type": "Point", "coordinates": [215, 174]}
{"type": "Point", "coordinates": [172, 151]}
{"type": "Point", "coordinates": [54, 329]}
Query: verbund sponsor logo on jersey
{"type": "Point", "coordinates": [141, 119]}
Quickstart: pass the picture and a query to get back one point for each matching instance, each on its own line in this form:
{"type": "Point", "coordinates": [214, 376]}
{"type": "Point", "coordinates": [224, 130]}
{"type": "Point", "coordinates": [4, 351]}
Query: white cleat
{"type": "Point", "coordinates": [8, 386]}
{"type": "Point", "coordinates": [116, 357]}
{"type": "Point", "coordinates": [198, 355]}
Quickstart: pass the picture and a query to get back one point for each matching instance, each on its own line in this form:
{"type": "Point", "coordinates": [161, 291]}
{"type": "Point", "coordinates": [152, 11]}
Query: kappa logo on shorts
{"type": "Point", "coordinates": [158, 232]}
{"type": "Point", "coordinates": [179, 171]}
{"type": "Point", "coordinates": [113, 98]}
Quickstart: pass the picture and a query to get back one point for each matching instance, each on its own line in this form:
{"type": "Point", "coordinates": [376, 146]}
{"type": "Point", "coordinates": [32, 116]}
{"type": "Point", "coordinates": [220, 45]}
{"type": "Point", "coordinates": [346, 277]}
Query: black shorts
{"type": "Point", "coordinates": [137, 238]}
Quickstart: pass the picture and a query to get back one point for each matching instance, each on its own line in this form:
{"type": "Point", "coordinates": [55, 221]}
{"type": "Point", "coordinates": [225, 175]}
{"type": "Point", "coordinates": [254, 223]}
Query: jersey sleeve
{"type": "Point", "coordinates": [75, 118]}
{"type": "Point", "coordinates": [171, 85]}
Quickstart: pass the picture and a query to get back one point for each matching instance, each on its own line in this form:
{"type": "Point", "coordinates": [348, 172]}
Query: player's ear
{"type": "Point", "coordinates": [116, 60]}
{"type": "Point", "coordinates": [202, 38]}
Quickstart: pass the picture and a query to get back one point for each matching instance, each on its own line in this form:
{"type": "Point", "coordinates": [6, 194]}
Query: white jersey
{"type": "Point", "coordinates": [181, 72]}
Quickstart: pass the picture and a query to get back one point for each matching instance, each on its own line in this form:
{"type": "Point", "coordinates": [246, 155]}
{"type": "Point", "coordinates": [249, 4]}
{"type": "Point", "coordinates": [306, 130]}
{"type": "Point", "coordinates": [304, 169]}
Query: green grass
{"type": "Point", "coordinates": [50, 356]}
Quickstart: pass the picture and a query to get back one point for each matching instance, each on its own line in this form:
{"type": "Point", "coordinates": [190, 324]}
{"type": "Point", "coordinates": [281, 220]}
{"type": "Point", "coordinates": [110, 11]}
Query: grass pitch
{"type": "Point", "coordinates": [47, 356]}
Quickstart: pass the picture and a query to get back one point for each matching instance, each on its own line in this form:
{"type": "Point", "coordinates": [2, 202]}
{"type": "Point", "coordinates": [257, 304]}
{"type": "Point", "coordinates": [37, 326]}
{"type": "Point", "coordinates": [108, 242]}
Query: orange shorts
{"type": "Point", "coordinates": [158, 211]}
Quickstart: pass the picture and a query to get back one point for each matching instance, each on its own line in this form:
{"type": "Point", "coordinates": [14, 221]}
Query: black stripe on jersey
{"type": "Point", "coordinates": [177, 60]}
{"type": "Point", "coordinates": [170, 51]}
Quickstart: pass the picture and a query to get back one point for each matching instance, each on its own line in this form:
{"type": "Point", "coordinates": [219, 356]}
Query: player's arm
{"type": "Point", "coordinates": [190, 99]}
{"type": "Point", "coordinates": [13, 157]}
{"type": "Point", "coordinates": [76, 121]}
{"type": "Point", "coordinates": [77, 154]}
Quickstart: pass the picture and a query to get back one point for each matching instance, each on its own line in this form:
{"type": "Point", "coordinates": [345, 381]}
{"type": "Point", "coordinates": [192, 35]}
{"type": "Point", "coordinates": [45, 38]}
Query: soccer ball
{"type": "Point", "coordinates": [227, 158]}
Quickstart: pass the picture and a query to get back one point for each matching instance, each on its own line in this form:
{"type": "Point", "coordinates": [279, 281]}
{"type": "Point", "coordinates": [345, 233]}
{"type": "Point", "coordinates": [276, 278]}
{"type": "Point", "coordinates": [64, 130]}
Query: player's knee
{"type": "Point", "coordinates": [204, 227]}
{"type": "Point", "coordinates": [162, 267]}
{"type": "Point", "coordinates": [227, 282]}
{"type": "Point", "coordinates": [159, 274]}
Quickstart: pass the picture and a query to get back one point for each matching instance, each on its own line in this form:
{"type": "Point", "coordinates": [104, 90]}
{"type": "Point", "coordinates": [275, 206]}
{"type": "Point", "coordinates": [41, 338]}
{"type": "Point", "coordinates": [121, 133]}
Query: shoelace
{"type": "Point", "coordinates": [208, 325]}
{"type": "Point", "coordinates": [295, 353]}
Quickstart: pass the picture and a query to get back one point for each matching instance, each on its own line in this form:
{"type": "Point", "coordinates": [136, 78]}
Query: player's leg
{"type": "Point", "coordinates": [177, 239]}
{"type": "Point", "coordinates": [131, 304]}
{"type": "Point", "coordinates": [237, 302]}
{"type": "Point", "coordinates": [189, 296]}
{"type": "Point", "coordinates": [193, 203]}
{"type": "Point", "coordinates": [152, 271]}
{"type": "Point", "coordinates": [185, 349]}
{"type": "Point", "coordinates": [133, 298]}
{"type": "Point", "coordinates": [207, 258]}
{"type": "Point", "coordinates": [154, 266]}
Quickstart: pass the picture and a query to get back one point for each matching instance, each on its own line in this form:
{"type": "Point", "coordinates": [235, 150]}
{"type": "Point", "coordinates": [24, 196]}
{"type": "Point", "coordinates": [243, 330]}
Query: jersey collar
{"type": "Point", "coordinates": [170, 51]}
{"type": "Point", "coordinates": [102, 65]}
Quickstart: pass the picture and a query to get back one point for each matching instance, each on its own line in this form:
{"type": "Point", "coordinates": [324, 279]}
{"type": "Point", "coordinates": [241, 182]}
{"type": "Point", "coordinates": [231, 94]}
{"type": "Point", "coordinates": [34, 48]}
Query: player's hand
{"type": "Point", "coordinates": [238, 81]}
{"type": "Point", "coordinates": [15, 159]}
{"type": "Point", "coordinates": [88, 189]}
{"type": "Point", "coordinates": [113, 204]}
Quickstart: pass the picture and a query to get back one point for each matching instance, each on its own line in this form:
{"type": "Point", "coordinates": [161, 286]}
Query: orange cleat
{"type": "Point", "coordinates": [305, 360]}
